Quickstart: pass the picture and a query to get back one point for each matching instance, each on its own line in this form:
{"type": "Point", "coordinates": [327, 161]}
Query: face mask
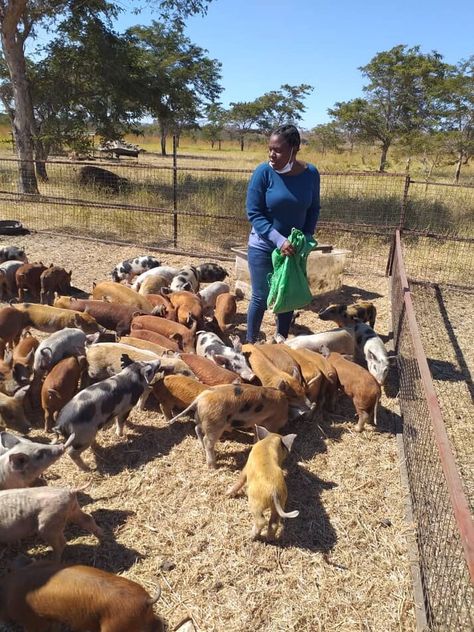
{"type": "Point", "coordinates": [288, 167]}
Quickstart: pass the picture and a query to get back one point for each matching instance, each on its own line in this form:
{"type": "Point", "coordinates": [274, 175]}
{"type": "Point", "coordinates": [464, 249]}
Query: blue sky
{"type": "Point", "coordinates": [263, 44]}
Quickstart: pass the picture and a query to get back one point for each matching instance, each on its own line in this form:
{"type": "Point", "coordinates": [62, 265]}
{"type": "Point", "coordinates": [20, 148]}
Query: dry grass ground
{"type": "Point", "coordinates": [342, 565]}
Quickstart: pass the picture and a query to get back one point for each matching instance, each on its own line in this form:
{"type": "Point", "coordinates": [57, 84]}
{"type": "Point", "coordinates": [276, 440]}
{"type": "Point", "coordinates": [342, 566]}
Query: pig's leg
{"type": "Point", "coordinates": [259, 523]}
{"type": "Point", "coordinates": [143, 399]}
{"type": "Point", "coordinates": [363, 417]}
{"type": "Point", "coordinates": [200, 435]}
{"type": "Point", "coordinates": [77, 458]}
{"type": "Point", "coordinates": [209, 443]}
{"type": "Point", "coordinates": [77, 516]}
{"type": "Point", "coordinates": [232, 491]}
{"type": "Point", "coordinates": [120, 423]}
{"type": "Point", "coordinates": [273, 524]}
{"type": "Point", "coordinates": [57, 541]}
{"type": "Point", "coordinates": [48, 421]}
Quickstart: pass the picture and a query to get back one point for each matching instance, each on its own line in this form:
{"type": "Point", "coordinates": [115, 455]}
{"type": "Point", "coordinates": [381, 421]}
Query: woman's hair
{"type": "Point", "coordinates": [290, 134]}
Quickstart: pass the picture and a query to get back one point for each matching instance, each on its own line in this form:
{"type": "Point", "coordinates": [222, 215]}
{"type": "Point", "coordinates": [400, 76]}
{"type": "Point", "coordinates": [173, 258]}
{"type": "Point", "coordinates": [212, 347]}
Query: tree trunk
{"type": "Point", "coordinates": [212, 143]}
{"type": "Point", "coordinates": [163, 140]}
{"type": "Point", "coordinates": [23, 121]}
{"type": "Point", "coordinates": [41, 155]}
{"type": "Point", "coordinates": [383, 156]}
{"type": "Point", "coordinates": [242, 143]}
{"type": "Point", "coordinates": [219, 144]}
{"type": "Point", "coordinates": [458, 166]}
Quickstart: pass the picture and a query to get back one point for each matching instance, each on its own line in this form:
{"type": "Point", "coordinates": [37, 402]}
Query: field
{"type": "Point", "coordinates": [342, 565]}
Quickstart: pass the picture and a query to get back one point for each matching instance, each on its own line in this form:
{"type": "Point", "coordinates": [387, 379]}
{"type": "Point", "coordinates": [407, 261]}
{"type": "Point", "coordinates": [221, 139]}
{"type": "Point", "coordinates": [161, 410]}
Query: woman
{"type": "Point", "coordinates": [282, 194]}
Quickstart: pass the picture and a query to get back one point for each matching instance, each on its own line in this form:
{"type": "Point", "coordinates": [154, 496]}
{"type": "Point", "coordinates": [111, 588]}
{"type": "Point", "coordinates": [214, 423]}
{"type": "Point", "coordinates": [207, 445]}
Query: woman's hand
{"type": "Point", "coordinates": [286, 249]}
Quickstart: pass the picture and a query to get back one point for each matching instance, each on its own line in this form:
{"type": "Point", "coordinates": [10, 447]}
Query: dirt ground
{"type": "Point", "coordinates": [342, 565]}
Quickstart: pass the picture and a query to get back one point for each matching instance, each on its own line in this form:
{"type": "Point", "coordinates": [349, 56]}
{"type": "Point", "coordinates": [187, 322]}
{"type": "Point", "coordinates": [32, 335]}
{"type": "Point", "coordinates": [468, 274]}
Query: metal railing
{"type": "Point", "coordinates": [443, 523]}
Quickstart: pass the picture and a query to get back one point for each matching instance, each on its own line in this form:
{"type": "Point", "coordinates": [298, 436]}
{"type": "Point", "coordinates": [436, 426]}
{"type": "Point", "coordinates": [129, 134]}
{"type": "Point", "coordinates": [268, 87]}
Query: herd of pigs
{"type": "Point", "coordinates": [151, 329]}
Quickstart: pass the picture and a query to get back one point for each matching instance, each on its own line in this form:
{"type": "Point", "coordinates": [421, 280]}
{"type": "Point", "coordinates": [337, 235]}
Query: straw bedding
{"type": "Point", "coordinates": [341, 565]}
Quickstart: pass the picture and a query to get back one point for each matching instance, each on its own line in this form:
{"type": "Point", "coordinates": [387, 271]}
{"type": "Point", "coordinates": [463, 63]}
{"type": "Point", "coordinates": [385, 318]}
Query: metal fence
{"type": "Point", "coordinates": [442, 520]}
{"type": "Point", "coordinates": [178, 206]}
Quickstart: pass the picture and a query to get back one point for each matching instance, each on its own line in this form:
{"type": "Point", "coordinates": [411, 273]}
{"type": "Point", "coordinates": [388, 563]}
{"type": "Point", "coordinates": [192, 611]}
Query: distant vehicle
{"type": "Point", "coordinates": [120, 148]}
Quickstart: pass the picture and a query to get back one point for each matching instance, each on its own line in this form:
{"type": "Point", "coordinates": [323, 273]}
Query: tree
{"type": "Point", "coordinates": [181, 80]}
{"type": "Point", "coordinates": [400, 97]}
{"type": "Point", "coordinates": [327, 136]}
{"type": "Point", "coordinates": [214, 126]}
{"type": "Point", "coordinates": [244, 117]}
{"type": "Point", "coordinates": [18, 19]}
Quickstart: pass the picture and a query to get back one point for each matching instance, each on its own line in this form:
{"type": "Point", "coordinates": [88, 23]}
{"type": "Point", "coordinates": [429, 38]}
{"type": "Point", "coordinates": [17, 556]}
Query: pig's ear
{"type": "Point", "coordinates": [30, 356]}
{"type": "Point", "coordinates": [165, 291]}
{"type": "Point", "coordinates": [70, 274]}
{"type": "Point", "coordinates": [324, 351]}
{"type": "Point", "coordinates": [149, 372]}
{"type": "Point", "coordinates": [21, 392]}
{"type": "Point", "coordinates": [187, 287]}
{"type": "Point", "coordinates": [236, 343]}
{"type": "Point", "coordinates": [8, 440]}
{"type": "Point", "coordinates": [18, 461]}
{"type": "Point", "coordinates": [92, 338]}
{"type": "Point", "coordinates": [221, 360]}
{"type": "Point", "coordinates": [158, 310]}
{"type": "Point", "coordinates": [46, 354]}
{"type": "Point", "coordinates": [178, 338]}
{"type": "Point", "coordinates": [261, 432]}
{"type": "Point", "coordinates": [125, 361]}
{"type": "Point", "coordinates": [8, 357]}
{"type": "Point", "coordinates": [282, 386]}
{"type": "Point", "coordinates": [287, 441]}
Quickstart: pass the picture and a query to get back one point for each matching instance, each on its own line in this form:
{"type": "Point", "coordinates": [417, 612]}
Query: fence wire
{"type": "Point", "coordinates": [444, 527]}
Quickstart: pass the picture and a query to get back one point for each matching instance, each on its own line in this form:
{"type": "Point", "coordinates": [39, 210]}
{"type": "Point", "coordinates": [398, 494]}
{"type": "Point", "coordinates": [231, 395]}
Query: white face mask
{"type": "Point", "coordinates": [288, 167]}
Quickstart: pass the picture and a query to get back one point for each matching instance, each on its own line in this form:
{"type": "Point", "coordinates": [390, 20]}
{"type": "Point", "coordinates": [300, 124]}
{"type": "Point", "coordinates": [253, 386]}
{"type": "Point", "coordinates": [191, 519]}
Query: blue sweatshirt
{"type": "Point", "coordinates": [277, 203]}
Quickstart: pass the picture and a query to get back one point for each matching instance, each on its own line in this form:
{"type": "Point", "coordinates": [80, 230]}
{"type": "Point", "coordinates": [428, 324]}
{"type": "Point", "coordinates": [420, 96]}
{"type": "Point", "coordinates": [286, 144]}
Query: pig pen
{"type": "Point", "coordinates": [342, 565]}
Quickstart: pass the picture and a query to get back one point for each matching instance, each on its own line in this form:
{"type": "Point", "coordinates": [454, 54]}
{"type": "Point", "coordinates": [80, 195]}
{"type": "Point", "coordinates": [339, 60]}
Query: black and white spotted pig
{"type": "Point", "coordinates": [187, 279]}
{"type": "Point", "coordinates": [373, 349]}
{"type": "Point", "coordinates": [126, 270]}
{"type": "Point", "coordinates": [210, 346]}
{"type": "Point", "coordinates": [12, 252]}
{"type": "Point", "coordinates": [362, 311]}
{"type": "Point", "coordinates": [210, 272]}
{"type": "Point", "coordinates": [96, 406]}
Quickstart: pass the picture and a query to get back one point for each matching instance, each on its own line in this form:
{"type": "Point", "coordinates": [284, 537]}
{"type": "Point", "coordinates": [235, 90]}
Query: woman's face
{"type": "Point", "coordinates": [279, 152]}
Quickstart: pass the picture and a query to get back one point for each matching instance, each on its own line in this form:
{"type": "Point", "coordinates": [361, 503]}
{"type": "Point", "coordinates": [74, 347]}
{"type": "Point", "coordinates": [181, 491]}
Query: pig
{"type": "Point", "coordinates": [210, 293]}
{"type": "Point", "coordinates": [187, 305]}
{"type": "Point", "coordinates": [359, 385]}
{"type": "Point", "coordinates": [168, 272]}
{"type": "Point", "coordinates": [104, 360]}
{"type": "Point", "coordinates": [12, 412]}
{"type": "Point", "coordinates": [54, 279]}
{"type": "Point", "coordinates": [374, 351]}
{"type": "Point", "coordinates": [44, 511]}
{"type": "Point", "coordinates": [166, 309]}
{"type": "Point", "coordinates": [225, 311]}
{"type": "Point", "coordinates": [67, 342]}
{"type": "Point", "coordinates": [45, 592]}
{"type": "Point", "coordinates": [235, 406]}
{"type": "Point", "coordinates": [363, 311]}
{"type": "Point", "coordinates": [266, 487]}
{"type": "Point", "coordinates": [13, 375]}
{"type": "Point", "coordinates": [28, 277]}
{"type": "Point", "coordinates": [210, 346]}
{"type": "Point", "coordinates": [209, 372]}
{"type": "Point", "coordinates": [313, 365]}
{"type": "Point", "coordinates": [271, 376]}
{"type": "Point", "coordinates": [3, 285]}
{"type": "Point", "coordinates": [9, 268]}
{"type": "Point", "coordinates": [153, 285]}
{"type": "Point", "coordinates": [112, 316]}
{"type": "Point", "coordinates": [9, 253]}
{"type": "Point", "coordinates": [12, 324]}
{"type": "Point", "coordinates": [209, 272]}
{"type": "Point", "coordinates": [102, 179]}
{"type": "Point", "coordinates": [278, 356]}
{"type": "Point", "coordinates": [143, 344]}
{"type": "Point", "coordinates": [117, 293]}
{"type": "Point", "coordinates": [183, 335]}
{"type": "Point", "coordinates": [25, 461]}
{"type": "Point", "coordinates": [60, 386]}
{"type": "Point", "coordinates": [176, 391]}
{"type": "Point", "coordinates": [126, 270]}
{"type": "Point", "coordinates": [155, 338]}
{"type": "Point", "coordinates": [340, 340]}
{"type": "Point", "coordinates": [52, 319]}
{"type": "Point", "coordinates": [186, 279]}
{"type": "Point", "coordinates": [97, 405]}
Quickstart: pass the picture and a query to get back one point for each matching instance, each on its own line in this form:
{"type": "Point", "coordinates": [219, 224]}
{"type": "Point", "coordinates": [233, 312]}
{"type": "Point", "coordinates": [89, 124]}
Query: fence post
{"type": "Point", "coordinates": [175, 193]}
{"type": "Point", "coordinates": [403, 206]}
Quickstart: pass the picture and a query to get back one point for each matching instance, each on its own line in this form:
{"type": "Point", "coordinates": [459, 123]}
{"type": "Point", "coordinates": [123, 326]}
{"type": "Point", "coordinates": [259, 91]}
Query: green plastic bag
{"type": "Point", "coordinates": [288, 282]}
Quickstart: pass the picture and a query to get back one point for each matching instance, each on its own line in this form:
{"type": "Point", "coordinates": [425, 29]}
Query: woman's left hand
{"type": "Point", "coordinates": [287, 249]}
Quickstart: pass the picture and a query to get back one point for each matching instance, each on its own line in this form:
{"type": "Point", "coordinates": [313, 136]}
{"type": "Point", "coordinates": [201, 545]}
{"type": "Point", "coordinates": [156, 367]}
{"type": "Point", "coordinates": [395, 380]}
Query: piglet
{"type": "Point", "coordinates": [210, 272]}
{"type": "Point", "coordinates": [81, 597]}
{"type": "Point", "coordinates": [12, 412]}
{"type": "Point", "coordinates": [44, 511]}
{"type": "Point", "coordinates": [67, 342]}
{"type": "Point", "coordinates": [24, 461]}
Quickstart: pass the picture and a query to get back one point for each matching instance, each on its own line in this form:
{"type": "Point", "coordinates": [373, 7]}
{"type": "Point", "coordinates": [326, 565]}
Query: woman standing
{"type": "Point", "coordinates": [282, 194]}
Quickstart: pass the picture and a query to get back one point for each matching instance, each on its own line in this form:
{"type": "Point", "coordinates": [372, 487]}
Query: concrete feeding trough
{"type": "Point", "coordinates": [325, 269]}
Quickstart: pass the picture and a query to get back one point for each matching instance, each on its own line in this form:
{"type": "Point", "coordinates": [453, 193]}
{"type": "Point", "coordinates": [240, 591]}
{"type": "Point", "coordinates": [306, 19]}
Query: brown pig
{"type": "Point", "coordinates": [226, 308]}
{"type": "Point", "coordinates": [155, 338]}
{"type": "Point", "coordinates": [28, 277]}
{"type": "Point", "coordinates": [54, 279]}
{"type": "Point", "coordinates": [183, 335]}
{"type": "Point", "coordinates": [153, 284]}
{"type": "Point", "coordinates": [160, 301]}
{"type": "Point", "coordinates": [236, 406]}
{"type": "Point", "coordinates": [51, 319]}
{"type": "Point", "coordinates": [11, 326]}
{"type": "Point", "coordinates": [12, 412]}
{"type": "Point", "coordinates": [313, 364]}
{"type": "Point", "coordinates": [140, 343]}
{"type": "Point", "coordinates": [187, 304]}
{"type": "Point", "coordinates": [83, 598]}
{"type": "Point", "coordinates": [43, 511]}
{"type": "Point", "coordinates": [118, 293]}
{"type": "Point", "coordinates": [176, 391]}
{"type": "Point", "coordinates": [360, 386]}
{"type": "Point", "coordinates": [60, 386]}
{"type": "Point", "coordinates": [209, 372]}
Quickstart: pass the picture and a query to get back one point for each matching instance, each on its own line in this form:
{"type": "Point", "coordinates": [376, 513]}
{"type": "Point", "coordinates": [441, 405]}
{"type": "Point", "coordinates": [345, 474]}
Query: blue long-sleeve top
{"type": "Point", "coordinates": [277, 203]}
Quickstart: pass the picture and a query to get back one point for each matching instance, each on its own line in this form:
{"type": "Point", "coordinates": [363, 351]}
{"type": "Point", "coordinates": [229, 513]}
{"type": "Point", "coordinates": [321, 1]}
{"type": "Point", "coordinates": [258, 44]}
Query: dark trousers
{"type": "Point", "coordinates": [260, 266]}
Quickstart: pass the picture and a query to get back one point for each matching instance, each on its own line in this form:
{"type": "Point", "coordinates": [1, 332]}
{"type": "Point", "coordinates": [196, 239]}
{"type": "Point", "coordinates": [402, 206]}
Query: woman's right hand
{"type": "Point", "coordinates": [287, 249]}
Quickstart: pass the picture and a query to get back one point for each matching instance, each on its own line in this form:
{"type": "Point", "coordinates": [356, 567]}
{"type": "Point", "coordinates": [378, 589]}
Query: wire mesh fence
{"type": "Point", "coordinates": [444, 527]}
{"type": "Point", "coordinates": [201, 210]}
